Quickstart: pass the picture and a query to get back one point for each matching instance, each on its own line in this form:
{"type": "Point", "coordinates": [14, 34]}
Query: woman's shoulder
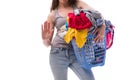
{"type": "Point", "coordinates": [51, 16]}
{"type": "Point", "coordinates": [83, 5]}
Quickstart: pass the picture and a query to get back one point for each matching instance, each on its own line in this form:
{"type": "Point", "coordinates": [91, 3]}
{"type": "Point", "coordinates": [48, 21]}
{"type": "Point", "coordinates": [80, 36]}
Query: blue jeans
{"type": "Point", "coordinates": [61, 59]}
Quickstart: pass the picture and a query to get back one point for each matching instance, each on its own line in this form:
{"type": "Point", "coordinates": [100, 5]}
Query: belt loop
{"type": "Point", "coordinates": [66, 53]}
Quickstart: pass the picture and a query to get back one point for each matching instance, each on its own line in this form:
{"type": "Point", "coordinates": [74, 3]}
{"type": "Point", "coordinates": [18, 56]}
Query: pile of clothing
{"type": "Point", "coordinates": [79, 29]}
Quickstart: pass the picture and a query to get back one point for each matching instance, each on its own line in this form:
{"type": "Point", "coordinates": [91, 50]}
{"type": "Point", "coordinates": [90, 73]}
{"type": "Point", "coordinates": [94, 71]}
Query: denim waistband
{"type": "Point", "coordinates": [61, 48]}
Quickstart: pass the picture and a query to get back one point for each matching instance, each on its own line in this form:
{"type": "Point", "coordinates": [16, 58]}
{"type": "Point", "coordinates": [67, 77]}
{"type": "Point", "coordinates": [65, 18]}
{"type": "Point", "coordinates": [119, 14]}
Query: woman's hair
{"type": "Point", "coordinates": [55, 3]}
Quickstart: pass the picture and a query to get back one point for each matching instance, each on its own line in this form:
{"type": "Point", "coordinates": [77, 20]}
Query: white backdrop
{"type": "Point", "coordinates": [22, 54]}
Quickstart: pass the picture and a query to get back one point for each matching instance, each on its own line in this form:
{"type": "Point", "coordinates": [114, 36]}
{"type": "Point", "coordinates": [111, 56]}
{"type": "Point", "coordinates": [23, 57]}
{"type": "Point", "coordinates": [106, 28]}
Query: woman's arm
{"type": "Point", "coordinates": [48, 30]}
{"type": "Point", "coordinates": [100, 31]}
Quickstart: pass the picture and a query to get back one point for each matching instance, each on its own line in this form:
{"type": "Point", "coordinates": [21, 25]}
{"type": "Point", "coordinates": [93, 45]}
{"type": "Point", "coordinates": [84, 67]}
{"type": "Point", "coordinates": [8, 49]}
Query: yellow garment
{"type": "Point", "coordinates": [79, 35]}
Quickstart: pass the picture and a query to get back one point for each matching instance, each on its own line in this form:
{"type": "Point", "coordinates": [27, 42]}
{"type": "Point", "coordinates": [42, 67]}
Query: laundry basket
{"type": "Point", "coordinates": [91, 54]}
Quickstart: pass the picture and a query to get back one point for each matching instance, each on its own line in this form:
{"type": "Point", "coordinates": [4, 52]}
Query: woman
{"type": "Point", "coordinates": [61, 54]}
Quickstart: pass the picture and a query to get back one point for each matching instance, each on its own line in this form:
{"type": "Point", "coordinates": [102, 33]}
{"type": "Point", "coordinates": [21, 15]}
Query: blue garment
{"type": "Point", "coordinates": [61, 59]}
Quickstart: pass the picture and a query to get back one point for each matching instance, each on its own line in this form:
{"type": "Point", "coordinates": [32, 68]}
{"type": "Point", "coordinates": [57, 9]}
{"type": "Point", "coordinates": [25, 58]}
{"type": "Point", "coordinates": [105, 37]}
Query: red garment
{"type": "Point", "coordinates": [79, 21]}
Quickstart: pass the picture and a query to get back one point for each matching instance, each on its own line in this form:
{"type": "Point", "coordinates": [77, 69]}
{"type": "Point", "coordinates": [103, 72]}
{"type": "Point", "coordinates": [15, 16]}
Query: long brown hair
{"type": "Point", "coordinates": [55, 3]}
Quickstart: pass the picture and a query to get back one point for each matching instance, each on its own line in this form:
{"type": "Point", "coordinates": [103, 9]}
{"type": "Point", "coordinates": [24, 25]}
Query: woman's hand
{"type": "Point", "coordinates": [100, 33]}
{"type": "Point", "coordinates": [47, 33]}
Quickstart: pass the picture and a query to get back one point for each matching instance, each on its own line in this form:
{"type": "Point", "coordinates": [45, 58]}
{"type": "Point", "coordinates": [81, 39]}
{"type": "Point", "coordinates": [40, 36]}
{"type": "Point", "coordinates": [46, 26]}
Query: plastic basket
{"type": "Point", "coordinates": [91, 54]}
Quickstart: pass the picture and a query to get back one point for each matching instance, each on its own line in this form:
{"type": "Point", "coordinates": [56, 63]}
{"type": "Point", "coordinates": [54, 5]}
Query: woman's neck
{"type": "Point", "coordinates": [63, 5]}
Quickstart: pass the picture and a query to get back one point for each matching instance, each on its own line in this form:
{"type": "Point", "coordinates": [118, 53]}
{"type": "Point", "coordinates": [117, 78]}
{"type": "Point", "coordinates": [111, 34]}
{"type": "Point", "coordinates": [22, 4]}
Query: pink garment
{"type": "Point", "coordinates": [109, 37]}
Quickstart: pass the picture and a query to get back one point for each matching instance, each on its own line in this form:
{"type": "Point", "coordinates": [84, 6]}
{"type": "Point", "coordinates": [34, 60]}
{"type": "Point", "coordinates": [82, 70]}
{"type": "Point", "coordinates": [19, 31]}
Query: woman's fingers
{"type": "Point", "coordinates": [48, 26]}
{"type": "Point", "coordinates": [42, 30]}
{"type": "Point", "coordinates": [47, 31]}
{"type": "Point", "coordinates": [99, 38]}
{"type": "Point", "coordinates": [99, 33]}
{"type": "Point", "coordinates": [45, 26]}
{"type": "Point", "coordinates": [95, 32]}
